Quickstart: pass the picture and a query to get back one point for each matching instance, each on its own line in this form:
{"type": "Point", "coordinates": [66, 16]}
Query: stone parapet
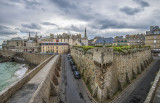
{"type": "Point", "coordinates": [151, 94]}
{"type": "Point", "coordinates": [12, 89]}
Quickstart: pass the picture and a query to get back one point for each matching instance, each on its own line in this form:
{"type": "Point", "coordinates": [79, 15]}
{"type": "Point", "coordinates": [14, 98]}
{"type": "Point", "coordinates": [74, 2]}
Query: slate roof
{"type": "Point", "coordinates": [102, 40]}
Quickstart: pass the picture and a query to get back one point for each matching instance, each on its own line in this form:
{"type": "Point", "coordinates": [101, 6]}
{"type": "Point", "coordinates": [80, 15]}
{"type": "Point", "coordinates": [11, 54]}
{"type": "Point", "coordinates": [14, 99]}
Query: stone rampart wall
{"type": "Point", "coordinates": [29, 58]}
{"type": "Point", "coordinates": [105, 71]}
{"type": "Point", "coordinates": [12, 89]}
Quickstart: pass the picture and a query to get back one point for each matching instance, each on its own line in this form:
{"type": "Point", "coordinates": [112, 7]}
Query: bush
{"type": "Point", "coordinates": [108, 45]}
{"type": "Point", "coordinates": [87, 47]}
{"type": "Point", "coordinates": [98, 46]}
{"type": "Point", "coordinates": [119, 49]}
{"type": "Point", "coordinates": [126, 47]}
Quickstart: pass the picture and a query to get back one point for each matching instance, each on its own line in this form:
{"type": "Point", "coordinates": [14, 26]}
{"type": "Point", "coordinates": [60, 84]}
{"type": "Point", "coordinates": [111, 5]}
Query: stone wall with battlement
{"type": "Point", "coordinates": [106, 71]}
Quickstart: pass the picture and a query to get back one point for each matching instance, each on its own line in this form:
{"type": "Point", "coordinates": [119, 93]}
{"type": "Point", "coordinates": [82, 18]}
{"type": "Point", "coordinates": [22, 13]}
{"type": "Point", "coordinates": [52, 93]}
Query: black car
{"type": "Point", "coordinates": [76, 74]}
{"type": "Point", "coordinates": [68, 55]}
{"type": "Point", "coordinates": [71, 62]}
{"type": "Point", "coordinates": [74, 68]}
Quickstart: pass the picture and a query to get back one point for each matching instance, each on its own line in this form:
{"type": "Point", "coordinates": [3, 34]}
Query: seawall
{"type": "Point", "coordinates": [28, 58]}
{"type": "Point", "coordinates": [106, 71]}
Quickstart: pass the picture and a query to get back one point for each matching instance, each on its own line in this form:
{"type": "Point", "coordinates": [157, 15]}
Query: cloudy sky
{"type": "Point", "coordinates": [101, 17]}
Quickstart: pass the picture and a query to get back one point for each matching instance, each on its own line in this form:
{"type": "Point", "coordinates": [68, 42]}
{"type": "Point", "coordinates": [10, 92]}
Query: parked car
{"type": "Point", "coordinates": [69, 57]}
{"type": "Point", "coordinates": [76, 74]}
{"type": "Point", "coordinates": [74, 68]}
{"type": "Point", "coordinates": [71, 62]}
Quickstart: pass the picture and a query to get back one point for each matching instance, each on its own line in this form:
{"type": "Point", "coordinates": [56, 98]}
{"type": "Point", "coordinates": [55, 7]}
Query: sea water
{"type": "Point", "coordinates": [11, 72]}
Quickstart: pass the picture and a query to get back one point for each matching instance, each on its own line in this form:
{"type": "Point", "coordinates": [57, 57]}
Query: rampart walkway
{"type": "Point", "coordinates": [25, 94]}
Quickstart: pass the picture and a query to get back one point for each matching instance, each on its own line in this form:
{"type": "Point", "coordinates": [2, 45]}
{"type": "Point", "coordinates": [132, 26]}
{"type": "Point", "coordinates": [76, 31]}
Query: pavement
{"type": "Point", "coordinates": [72, 90]}
{"type": "Point", "coordinates": [157, 95]}
{"type": "Point", "coordinates": [137, 91]}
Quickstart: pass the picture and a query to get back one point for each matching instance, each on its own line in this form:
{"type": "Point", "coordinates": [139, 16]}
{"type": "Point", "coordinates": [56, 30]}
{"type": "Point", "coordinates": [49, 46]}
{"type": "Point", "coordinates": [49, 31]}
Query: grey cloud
{"type": "Point", "coordinates": [31, 4]}
{"type": "Point", "coordinates": [32, 26]}
{"type": "Point", "coordinates": [102, 24]}
{"type": "Point", "coordinates": [70, 9]}
{"type": "Point", "coordinates": [49, 23]}
{"type": "Point", "coordinates": [74, 28]}
{"type": "Point", "coordinates": [65, 4]}
{"type": "Point", "coordinates": [130, 11]}
{"type": "Point", "coordinates": [25, 30]}
{"type": "Point", "coordinates": [142, 3]}
{"type": "Point", "coordinates": [106, 23]}
{"type": "Point", "coordinates": [5, 30]}
{"type": "Point", "coordinates": [96, 15]}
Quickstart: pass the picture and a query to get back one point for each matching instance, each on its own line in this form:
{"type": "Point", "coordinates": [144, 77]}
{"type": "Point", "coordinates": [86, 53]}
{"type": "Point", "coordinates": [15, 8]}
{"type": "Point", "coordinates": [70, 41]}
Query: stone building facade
{"type": "Point", "coordinates": [32, 44]}
{"type": "Point", "coordinates": [119, 40]}
{"type": "Point", "coordinates": [152, 37]}
{"type": "Point", "coordinates": [22, 45]}
{"type": "Point", "coordinates": [106, 71]}
{"type": "Point", "coordinates": [56, 47]}
{"type": "Point", "coordinates": [67, 38]}
{"type": "Point", "coordinates": [138, 39]}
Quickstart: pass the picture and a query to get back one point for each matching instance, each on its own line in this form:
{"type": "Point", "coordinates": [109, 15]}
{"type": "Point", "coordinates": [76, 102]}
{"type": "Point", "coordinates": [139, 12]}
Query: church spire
{"type": "Point", "coordinates": [85, 33]}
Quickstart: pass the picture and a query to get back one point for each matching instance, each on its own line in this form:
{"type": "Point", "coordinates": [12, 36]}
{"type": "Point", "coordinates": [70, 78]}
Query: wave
{"type": "Point", "coordinates": [21, 72]}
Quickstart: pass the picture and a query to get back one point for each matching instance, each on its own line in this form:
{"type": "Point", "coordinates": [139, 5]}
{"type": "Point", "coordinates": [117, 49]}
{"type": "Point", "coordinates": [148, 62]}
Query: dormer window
{"type": "Point", "coordinates": [156, 32]}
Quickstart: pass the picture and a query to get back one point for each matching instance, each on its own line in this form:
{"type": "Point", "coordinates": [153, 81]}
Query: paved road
{"type": "Point", "coordinates": [138, 91]}
{"type": "Point", "coordinates": [72, 90]}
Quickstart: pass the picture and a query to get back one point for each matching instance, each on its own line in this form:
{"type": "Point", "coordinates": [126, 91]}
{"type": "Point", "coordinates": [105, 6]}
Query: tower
{"type": "Point", "coordinates": [84, 40]}
{"type": "Point", "coordinates": [29, 36]}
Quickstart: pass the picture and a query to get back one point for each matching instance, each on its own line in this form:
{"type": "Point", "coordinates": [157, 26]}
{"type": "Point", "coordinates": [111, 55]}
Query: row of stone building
{"type": "Point", "coordinates": [62, 42]}
{"type": "Point", "coordinates": [49, 44]}
{"type": "Point", "coordinates": [138, 39]}
{"type": "Point", "coordinates": [151, 38]}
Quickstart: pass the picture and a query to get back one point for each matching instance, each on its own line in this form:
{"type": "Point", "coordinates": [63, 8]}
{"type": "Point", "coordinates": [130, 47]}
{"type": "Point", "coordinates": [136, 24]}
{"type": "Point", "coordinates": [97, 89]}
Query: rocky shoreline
{"type": "Point", "coordinates": [5, 59]}
{"type": "Point", "coordinates": [10, 59]}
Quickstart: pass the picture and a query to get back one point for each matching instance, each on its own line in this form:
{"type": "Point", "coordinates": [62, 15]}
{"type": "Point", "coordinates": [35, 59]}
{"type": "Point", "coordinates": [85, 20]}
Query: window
{"type": "Point", "coordinates": [154, 41]}
{"type": "Point", "coordinates": [156, 32]}
{"type": "Point", "coordinates": [154, 46]}
{"type": "Point", "coordinates": [154, 37]}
